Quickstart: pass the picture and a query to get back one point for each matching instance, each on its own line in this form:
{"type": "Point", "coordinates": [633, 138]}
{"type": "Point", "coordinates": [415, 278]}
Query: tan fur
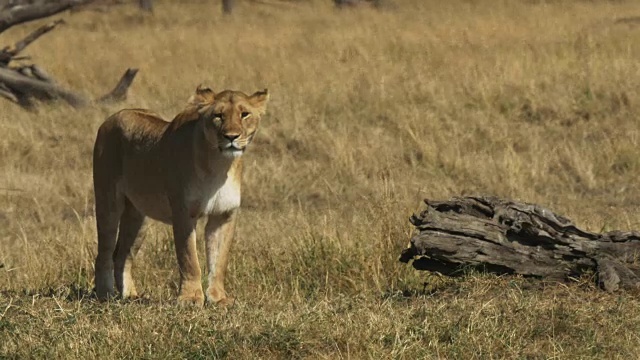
{"type": "Point", "coordinates": [175, 172]}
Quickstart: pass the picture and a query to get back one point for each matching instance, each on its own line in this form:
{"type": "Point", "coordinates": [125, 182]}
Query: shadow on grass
{"type": "Point", "coordinates": [71, 292]}
{"type": "Point", "coordinates": [469, 280]}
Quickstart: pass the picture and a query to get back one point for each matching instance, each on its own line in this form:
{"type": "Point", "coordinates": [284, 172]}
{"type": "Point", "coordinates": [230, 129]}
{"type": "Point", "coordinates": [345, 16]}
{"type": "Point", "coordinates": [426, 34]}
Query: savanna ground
{"type": "Point", "coordinates": [371, 112]}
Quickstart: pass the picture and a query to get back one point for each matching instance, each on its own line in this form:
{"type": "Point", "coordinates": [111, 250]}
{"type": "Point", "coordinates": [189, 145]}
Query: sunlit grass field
{"type": "Point", "coordinates": [370, 113]}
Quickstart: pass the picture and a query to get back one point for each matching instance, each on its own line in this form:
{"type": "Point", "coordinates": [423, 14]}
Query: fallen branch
{"type": "Point", "coordinates": [26, 84]}
{"type": "Point", "coordinates": [21, 89]}
{"type": "Point", "coordinates": [119, 93]}
{"type": "Point", "coordinates": [8, 94]}
{"type": "Point", "coordinates": [9, 53]}
{"type": "Point", "coordinates": [18, 12]}
{"type": "Point", "coordinates": [507, 237]}
{"type": "Point", "coordinates": [40, 74]}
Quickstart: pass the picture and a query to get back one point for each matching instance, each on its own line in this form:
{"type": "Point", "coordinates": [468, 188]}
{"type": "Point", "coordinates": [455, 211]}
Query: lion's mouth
{"type": "Point", "coordinates": [232, 150]}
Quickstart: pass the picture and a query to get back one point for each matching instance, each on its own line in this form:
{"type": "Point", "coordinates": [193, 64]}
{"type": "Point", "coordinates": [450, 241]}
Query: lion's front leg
{"type": "Point", "coordinates": [219, 237]}
{"type": "Point", "coordinates": [184, 235]}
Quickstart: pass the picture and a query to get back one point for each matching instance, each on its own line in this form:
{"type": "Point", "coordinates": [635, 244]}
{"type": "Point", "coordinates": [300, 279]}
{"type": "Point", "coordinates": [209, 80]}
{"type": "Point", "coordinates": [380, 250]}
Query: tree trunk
{"type": "Point", "coordinates": [146, 5]}
{"type": "Point", "coordinates": [227, 6]}
{"type": "Point", "coordinates": [356, 3]}
{"type": "Point", "coordinates": [507, 237]}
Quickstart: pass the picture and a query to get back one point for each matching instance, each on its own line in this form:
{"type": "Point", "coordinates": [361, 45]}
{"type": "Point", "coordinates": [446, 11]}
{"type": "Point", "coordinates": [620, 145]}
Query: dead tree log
{"type": "Point", "coordinates": [508, 237]}
{"type": "Point", "coordinates": [25, 85]}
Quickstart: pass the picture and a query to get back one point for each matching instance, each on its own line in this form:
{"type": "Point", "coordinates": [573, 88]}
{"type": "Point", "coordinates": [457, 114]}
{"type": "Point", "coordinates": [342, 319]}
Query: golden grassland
{"type": "Point", "coordinates": [371, 112]}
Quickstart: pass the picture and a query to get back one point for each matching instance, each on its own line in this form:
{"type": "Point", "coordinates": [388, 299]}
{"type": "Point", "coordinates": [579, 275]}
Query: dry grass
{"type": "Point", "coordinates": [371, 112]}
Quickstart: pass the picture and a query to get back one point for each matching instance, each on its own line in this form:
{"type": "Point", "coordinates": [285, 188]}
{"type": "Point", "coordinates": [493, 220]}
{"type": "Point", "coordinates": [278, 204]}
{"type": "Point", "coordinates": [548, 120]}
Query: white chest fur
{"type": "Point", "coordinates": [212, 199]}
{"type": "Point", "coordinates": [225, 199]}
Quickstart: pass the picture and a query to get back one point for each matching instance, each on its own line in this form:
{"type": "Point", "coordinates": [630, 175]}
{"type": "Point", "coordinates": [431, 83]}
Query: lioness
{"type": "Point", "coordinates": [175, 172]}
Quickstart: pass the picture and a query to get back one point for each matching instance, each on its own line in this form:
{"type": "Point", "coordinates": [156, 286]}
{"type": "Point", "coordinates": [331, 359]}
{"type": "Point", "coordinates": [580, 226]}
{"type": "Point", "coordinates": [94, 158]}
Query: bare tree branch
{"type": "Point", "coordinates": [119, 93]}
{"type": "Point", "coordinates": [9, 53]}
{"type": "Point", "coordinates": [6, 93]}
{"type": "Point", "coordinates": [41, 74]}
{"type": "Point", "coordinates": [21, 11]}
{"type": "Point", "coordinates": [25, 85]}
{"type": "Point", "coordinates": [39, 89]}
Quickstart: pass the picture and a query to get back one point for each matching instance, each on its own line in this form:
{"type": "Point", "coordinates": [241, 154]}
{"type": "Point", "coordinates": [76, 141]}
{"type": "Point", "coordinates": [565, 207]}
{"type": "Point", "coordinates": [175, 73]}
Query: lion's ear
{"type": "Point", "coordinates": [203, 95]}
{"type": "Point", "coordinates": [259, 100]}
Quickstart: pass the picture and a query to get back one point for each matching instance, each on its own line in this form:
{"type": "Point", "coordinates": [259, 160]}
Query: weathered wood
{"type": "Point", "coordinates": [508, 237]}
{"type": "Point", "coordinates": [25, 85]}
{"type": "Point", "coordinates": [21, 89]}
{"type": "Point", "coordinates": [20, 11]}
{"type": "Point", "coordinates": [6, 93]}
{"type": "Point", "coordinates": [40, 74]}
{"type": "Point", "coordinates": [119, 93]}
{"type": "Point", "coordinates": [10, 52]}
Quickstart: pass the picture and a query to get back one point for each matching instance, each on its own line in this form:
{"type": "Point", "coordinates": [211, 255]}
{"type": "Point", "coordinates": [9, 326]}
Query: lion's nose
{"type": "Point", "coordinates": [231, 137]}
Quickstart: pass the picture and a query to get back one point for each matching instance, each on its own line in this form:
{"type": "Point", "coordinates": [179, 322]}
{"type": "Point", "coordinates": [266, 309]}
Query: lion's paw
{"type": "Point", "coordinates": [195, 298]}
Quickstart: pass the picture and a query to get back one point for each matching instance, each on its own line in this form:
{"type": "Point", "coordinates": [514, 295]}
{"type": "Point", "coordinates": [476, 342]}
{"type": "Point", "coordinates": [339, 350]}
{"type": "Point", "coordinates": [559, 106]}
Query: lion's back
{"type": "Point", "coordinates": [125, 136]}
{"type": "Point", "coordinates": [132, 124]}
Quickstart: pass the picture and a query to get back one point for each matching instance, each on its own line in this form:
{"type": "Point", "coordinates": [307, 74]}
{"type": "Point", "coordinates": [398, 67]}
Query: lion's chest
{"type": "Point", "coordinates": [216, 197]}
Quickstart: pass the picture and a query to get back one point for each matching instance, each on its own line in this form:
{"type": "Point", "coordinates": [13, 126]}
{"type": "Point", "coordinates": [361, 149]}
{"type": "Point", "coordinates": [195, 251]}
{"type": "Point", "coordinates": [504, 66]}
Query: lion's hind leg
{"type": "Point", "coordinates": [109, 208]}
{"type": "Point", "coordinates": [126, 249]}
{"type": "Point", "coordinates": [107, 171]}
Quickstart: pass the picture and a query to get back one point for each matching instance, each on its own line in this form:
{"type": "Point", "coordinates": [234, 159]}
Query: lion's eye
{"type": "Point", "coordinates": [245, 114]}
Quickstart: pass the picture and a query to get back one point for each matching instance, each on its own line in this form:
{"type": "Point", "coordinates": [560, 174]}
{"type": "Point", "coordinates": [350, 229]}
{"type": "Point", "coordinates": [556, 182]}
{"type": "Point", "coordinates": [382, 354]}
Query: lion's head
{"type": "Point", "coordinates": [231, 117]}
